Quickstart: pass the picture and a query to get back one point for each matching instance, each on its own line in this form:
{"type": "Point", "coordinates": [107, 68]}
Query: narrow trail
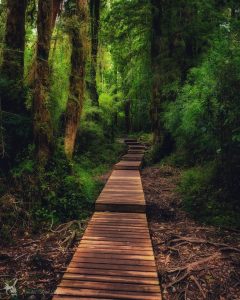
{"type": "Point", "coordinates": [114, 259]}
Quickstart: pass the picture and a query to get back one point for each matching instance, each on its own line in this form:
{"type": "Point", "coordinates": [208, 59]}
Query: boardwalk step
{"type": "Point", "coordinates": [136, 151]}
{"type": "Point", "coordinates": [123, 192]}
{"type": "Point", "coordinates": [133, 157]}
{"type": "Point", "coordinates": [128, 165]}
{"type": "Point", "coordinates": [133, 143]}
{"type": "Point", "coordinates": [130, 141]}
{"type": "Point", "coordinates": [137, 147]}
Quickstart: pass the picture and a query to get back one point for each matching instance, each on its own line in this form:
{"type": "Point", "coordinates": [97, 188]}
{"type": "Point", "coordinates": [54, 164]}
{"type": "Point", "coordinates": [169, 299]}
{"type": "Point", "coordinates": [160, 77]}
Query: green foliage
{"type": "Point", "coordinates": [204, 122]}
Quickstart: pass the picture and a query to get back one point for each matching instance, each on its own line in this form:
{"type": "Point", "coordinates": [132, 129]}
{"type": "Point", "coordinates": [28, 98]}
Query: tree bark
{"type": "Point", "coordinates": [43, 131]}
{"type": "Point", "coordinates": [94, 15]}
{"type": "Point", "coordinates": [13, 55]}
{"type": "Point", "coordinates": [76, 93]}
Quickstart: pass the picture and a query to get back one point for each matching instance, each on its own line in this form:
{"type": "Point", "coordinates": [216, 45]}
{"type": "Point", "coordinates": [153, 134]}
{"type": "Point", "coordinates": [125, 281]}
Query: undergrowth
{"type": "Point", "coordinates": [65, 191]}
{"type": "Point", "coordinates": [204, 195]}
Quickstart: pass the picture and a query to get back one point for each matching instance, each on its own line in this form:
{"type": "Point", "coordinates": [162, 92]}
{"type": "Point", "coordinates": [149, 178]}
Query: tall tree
{"type": "Point", "coordinates": [13, 55]}
{"type": "Point", "coordinates": [155, 54]}
{"type": "Point", "coordinates": [180, 35]}
{"type": "Point", "coordinates": [43, 131]}
{"type": "Point", "coordinates": [77, 31]}
{"type": "Point", "coordinates": [94, 15]}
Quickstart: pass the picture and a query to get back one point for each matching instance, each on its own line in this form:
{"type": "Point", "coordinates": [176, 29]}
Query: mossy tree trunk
{"type": "Point", "coordinates": [57, 5]}
{"type": "Point", "coordinates": [12, 68]}
{"type": "Point", "coordinates": [43, 131]}
{"type": "Point", "coordinates": [94, 15]}
{"type": "Point", "coordinates": [76, 92]}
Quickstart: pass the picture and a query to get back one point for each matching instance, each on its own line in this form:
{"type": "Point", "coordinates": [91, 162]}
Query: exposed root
{"type": "Point", "coordinates": [68, 241]}
{"type": "Point", "coordinates": [193, 278]}
{"type": "Point", "coordinates": [65, 226]}
{"type": "Point", "coordinates": [192, 266]}
{"type": "Point", "coordinates": [185, 240]}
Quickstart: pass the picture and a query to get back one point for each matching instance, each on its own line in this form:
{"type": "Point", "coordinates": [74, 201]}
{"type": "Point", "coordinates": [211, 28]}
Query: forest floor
{"type": "Point", "coordinates": [194, 261]}
{"type": "Point", "coordinates": [32, 266]}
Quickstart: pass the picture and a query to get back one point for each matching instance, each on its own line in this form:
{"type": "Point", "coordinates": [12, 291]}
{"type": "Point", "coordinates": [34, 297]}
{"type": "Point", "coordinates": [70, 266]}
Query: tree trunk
{"type": "Point", "coordinates": [43, 131]}
{"type": "Point", "coordinates": [56, 11]}
{"type": "Point", "coordinates": [76, 93]}
{"type": "Point", "coordinates": [155, 51]}
{"type": "Point", "coordinates": [94, 15]}
{"type": "Point", "coordinates": [127, 108]}
{"type": "Point", "coordinates": [13, 55]}
{"type": "Point", "coordinates": [155, 115]}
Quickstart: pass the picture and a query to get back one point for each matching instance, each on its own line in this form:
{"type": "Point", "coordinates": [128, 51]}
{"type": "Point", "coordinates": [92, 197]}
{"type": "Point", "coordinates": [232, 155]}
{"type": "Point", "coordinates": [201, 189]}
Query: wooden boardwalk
{"type": "Point", "coordinates": [114, 259]}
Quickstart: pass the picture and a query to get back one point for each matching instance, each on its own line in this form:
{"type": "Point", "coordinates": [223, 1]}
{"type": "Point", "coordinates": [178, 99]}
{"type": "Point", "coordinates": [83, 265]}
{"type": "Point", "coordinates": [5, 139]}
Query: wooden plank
{"type": "Point", "coordinates": [110, 272]}
{"type": "Point", "coordinates": [119, 221]}
{"type": "Point", "coordinates": [106, 294]}
{"type": "Point", "coordinates": [110, 251]}
{"type": "Point", "coordinates": [107, 233]}
{"type": "Point", "coordinates": [106, 278]}
{"type": "Point", "coordinates": [112, 227]}
{"type": "Point", "coordinates": [110, 255]}
{"type": "Point", "coordinates": [119, 261]}
{"type": "Point", "coordinates": [115, 247]}
{"type": "Point", "coordinates": [112, 286]}
{"type": "Point", "coordinates": [115, 223]}
{"type": "Point", "coordinates": [113, 244]}
{"type": "Point", "coordinates": [123, 215]}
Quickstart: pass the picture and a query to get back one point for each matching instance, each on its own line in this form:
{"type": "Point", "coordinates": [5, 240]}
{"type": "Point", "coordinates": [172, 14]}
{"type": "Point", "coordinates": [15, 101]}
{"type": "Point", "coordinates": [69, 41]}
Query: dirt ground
{"type": "Point", "coordinates": [194, 261]}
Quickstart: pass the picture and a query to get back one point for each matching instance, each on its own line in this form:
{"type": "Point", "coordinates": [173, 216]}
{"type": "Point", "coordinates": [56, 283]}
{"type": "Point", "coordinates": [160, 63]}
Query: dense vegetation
{"type": "Point", "coordinates": [77, 74]}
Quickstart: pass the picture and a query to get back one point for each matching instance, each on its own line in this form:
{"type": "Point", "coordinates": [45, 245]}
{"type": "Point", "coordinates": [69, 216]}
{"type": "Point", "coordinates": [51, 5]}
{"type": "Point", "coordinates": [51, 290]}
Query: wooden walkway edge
{"type": "Point", "coordinates": [115, 259]}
